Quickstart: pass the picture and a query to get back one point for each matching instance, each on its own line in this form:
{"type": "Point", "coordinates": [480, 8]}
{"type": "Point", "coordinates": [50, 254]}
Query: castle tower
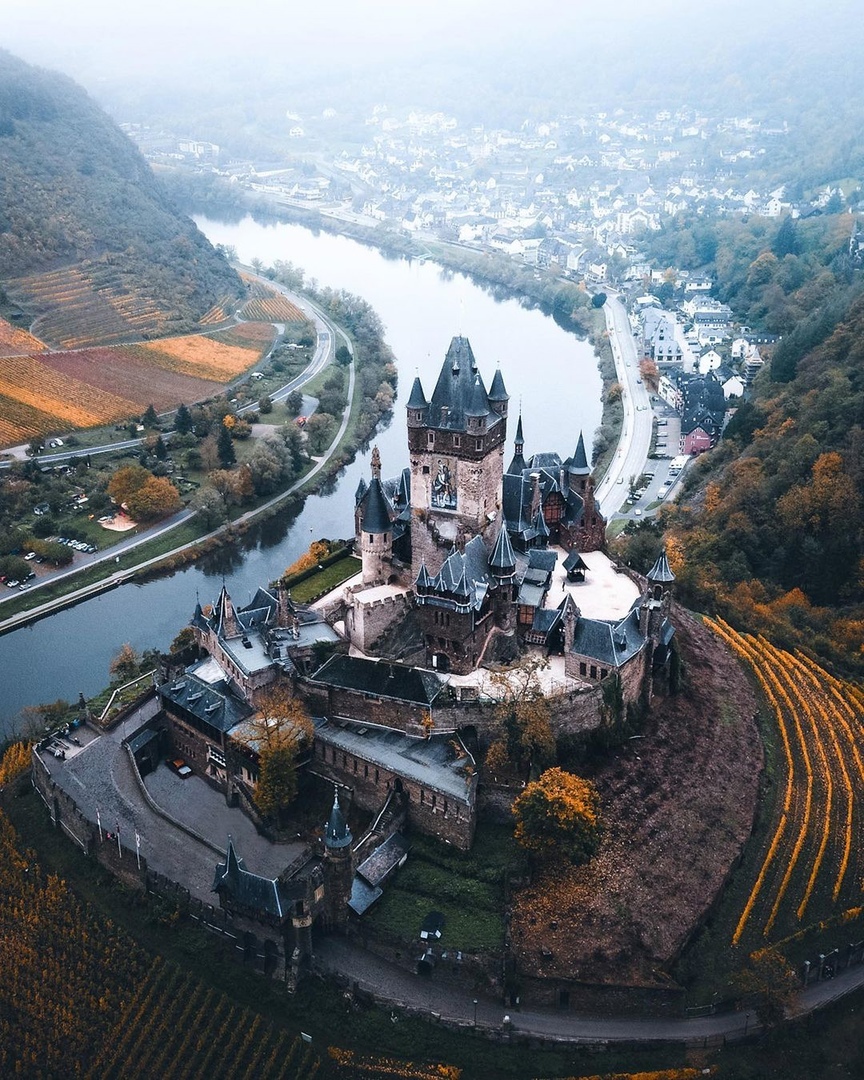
{"type": "Point", "coordinates": [456, 448]}
{"type": "Point", "coordinates": [374, 524]}
{"type": "Point", "coordinates": [284, 610]}
{"type": "Point", "coordinates": [226, 616]}
{"type": "Point", "coordinates": [657, 598]}
{"type": "Point", "coordinates": [338, 868]}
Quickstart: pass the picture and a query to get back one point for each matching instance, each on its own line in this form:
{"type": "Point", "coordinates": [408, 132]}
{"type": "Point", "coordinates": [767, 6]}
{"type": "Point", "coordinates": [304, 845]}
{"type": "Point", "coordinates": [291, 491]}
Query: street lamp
{"type": "Point", "coordinates": [475, 1012]}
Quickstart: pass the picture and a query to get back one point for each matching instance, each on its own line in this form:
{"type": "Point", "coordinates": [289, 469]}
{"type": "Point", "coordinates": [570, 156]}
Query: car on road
{"type": "Point", "coordinates": [661, 494]}
{"type": "Point", "coordinates": [13, 584]}
{"type": "Point", "coordinates": [30, 556]}
{"type": "Point", "coordinates": [637, 512]}
{"type": "Point", "coordinates": [179, 766]}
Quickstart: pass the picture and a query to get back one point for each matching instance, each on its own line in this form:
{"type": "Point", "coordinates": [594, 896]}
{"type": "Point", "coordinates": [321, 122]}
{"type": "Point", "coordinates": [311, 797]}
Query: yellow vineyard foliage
{"type": "Point", "coordinates": [205, 356]}
{"type": "Point", "coordinates": [15, 762]}
{"type": "Point", "coordinates": [15, 342]}
{"type": "Point", "coordinates": [27, 380]}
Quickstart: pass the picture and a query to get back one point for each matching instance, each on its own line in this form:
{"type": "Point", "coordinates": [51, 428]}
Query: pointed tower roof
{"type": "Point", "coordinates": [417, 400]}
{"type": "Point", "coordinates": [479, 403]}
{"type": "Point", "coordinates": [503, 561]}
{"type": "Point", "coordinates": [423, 581]}
{"type": "Point", "coordinates": [539, 523]}
{"type": "Point", "coordinates": [578, 464]}
{"type": "Point", "coordinates": [225, 615]}
{"type": "Point", "coordinates": [337, 835]}
{"type": "Point", "coordinates": [362, 488]}
{"type": "Point", "coordinates": [517, 465]}
{"type": "Point", "coordinates": [661, 571]}
{"type": "Point", "coordinates": [375, 509]}
{"type": "Point", "coordinates": [497, 391]}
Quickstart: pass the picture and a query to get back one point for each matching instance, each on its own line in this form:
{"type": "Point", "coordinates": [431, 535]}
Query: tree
{"type": "Point", "coordinates": [225, 448]}
{"type": "Point", "coordinates": [320, 430]}
{"type": "Point", "coordinates": [183, 422]}
{"type": "Point", "coordinates": [124, 666]}
{"type": "Point", "coordinates": [598, 300]}
{"type": "Point", "coordinates": [559, 815]}
{"type": "Point", "coordinates": [184, 642]}
{"type": "Point", "coordinates": [265, 404]}
{"type": "Point", "coordinates": [150, 419]}
{"type": "Point", "coordinates": [210, 507]}
{"type": "Point", "coordinates": [525, 743]}
{"type": "Point", "coordinates": [126, 481]}
{"type": "Point", "coordinates": [343, 355]}
{"type": "Point", "coordinates": [770, 982]}
{"type": "Point", "coordinates": [156, 498]}
{"type": "Point", "coordinates": [294, 402]}
{"type": "Point", "coordinates": [276, 733]}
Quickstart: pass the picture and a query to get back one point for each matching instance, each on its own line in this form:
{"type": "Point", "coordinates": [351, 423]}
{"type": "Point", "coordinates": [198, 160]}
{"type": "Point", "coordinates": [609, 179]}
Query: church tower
{"type": "Point", "coordinates": [456, 446]}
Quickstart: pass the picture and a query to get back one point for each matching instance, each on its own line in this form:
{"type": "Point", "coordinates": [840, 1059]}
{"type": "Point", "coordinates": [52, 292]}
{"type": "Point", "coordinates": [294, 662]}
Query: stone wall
{"type": "Point", "coordinates": [367, 621]}
{"type": "Point", "coordinates": [430, 811]}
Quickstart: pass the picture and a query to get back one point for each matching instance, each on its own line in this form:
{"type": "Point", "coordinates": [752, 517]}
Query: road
{"type": "Point", "coordinates": [635, 441]}
{"type": "Point", "coordinates": [397, 987]}
{"type": "Point", "coordinates": [323, 352]}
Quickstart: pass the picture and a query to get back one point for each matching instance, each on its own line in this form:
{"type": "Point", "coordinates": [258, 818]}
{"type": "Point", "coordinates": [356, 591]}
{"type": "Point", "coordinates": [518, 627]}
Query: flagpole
{"type": "Point", "coordinates": [119, 849]}
{"type": "Point", "coordinates": [138, 848]}
{"type": "Point", "coordinates": [99, 824]}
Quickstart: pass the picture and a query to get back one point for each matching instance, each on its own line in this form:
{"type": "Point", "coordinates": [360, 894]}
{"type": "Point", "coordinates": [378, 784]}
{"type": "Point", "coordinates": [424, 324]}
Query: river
{"type": "Point", "coordinates": [550, 374]}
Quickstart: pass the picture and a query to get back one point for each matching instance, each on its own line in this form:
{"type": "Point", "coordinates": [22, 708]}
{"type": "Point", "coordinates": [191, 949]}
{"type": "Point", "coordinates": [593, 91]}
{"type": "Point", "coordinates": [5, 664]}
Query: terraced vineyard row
{"type": "Point", "coordinates": [813, 861]}
{"type": "Point", "coordinates": [274, 308]}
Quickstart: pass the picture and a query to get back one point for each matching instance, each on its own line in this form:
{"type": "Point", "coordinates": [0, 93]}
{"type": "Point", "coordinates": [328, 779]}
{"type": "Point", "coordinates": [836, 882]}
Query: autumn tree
{"type": "Point", "coordinates": [318, 550]}
{"type": "Point", "coordinates": [524, 743]}
{"type": "Point", "coordinates": [125, 664]}
{"type": "Point", "coordinates": [156, 498]}
{"type": "Point", "coordinates": [770, 983]}
{"type": "Point", "coordinates": [126, 481]}
{"type": "Point", "coordinates": [276, 734]}
{"type": "Point", "coordinates": [559, 815]}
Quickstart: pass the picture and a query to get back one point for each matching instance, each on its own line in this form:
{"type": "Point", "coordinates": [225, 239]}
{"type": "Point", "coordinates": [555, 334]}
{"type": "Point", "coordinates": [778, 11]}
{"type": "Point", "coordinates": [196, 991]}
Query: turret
{"type": "Point", "coordinates": [338, 868]}
{"type": "Point", "coordinates": [417, 404]}
{"type": "Point", "coordinates": [577, 468]}
{"type": "Point", "coordinates": [498, 396]}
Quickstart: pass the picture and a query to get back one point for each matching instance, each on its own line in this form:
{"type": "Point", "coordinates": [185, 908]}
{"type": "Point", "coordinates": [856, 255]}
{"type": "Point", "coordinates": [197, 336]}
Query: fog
{"type": "Point", "coordinates": [188, 47]}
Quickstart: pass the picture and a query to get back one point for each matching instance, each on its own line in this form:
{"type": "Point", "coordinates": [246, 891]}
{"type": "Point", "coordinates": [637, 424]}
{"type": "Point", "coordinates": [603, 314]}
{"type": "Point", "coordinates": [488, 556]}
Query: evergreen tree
{"type": "Point", "coordinates": [150, 419]}
{"type": "Point", "coordinates": [225, 448]}
{"type": "Point", "coordinates": [183, 421]}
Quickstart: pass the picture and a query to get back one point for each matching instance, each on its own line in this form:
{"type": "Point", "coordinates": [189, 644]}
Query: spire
{"type": "Point", "coordinates": [422, 581]}
{"type": "Point", "coordinates": [578, 464]}
{"type": "Point", "coordinates": [337, 835]}
{"type": "Point", "coordinates": [503, 561]}
{"type": "Point", "coordinates": [417, 400]}
{"type": "Point", "coordinates": [362, 488]}
{"type": "Point", "coordinates": [517, 465]}
{"type": "Point", "coordinates": [376, 463]}
{"type": "Point", "coordinates": [497, 391]}
{"type": "Point", "coordinates": [661, 572]}
{"type": "Point", "coordinates": [539, 523]}
{"type": "Point", "coordinates": [226, 617]}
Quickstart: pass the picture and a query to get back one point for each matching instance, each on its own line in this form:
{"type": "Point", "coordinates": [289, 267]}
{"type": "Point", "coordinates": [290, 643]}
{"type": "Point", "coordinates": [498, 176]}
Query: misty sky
{"type": "Point", "coordinates": [163, 56]}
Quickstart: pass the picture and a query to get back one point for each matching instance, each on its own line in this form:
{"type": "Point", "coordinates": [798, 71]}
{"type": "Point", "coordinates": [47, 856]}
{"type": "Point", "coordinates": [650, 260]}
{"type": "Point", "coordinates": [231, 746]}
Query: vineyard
{"type": "Point", "coordinates": [219, 313]}
{"type": "Point", "coordinates": [268, 304]}
{"type": "Point", "coordinates": [79, 997]}
{"type": "Point", "coordinates": [88, 304]}
{"type": "Point", "coordinates": [219, 357]}
{"type": "Point", "coordinates": [55, 391]}
{"type": "Point", "coordinates": [812, 863]}
{"type": "Point", "coordinates": [15, 342]}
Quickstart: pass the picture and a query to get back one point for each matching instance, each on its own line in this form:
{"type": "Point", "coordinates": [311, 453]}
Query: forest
{"type": "Point", "coordinates": [769, 527]}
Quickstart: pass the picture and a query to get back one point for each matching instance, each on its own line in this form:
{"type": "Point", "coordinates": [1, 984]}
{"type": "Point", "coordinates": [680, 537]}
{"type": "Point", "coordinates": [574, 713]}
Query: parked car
{"type": "Point", "coordinates": [179, 766]}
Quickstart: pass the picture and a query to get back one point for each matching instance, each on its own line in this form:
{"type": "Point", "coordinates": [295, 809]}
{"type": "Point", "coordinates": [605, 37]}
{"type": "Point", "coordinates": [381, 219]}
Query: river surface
{"type": "Point", "coordinates": [550, 374]}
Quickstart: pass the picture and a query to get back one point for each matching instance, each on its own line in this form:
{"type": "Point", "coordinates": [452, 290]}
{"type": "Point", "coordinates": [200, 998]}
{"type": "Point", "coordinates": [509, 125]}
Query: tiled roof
{"type": "Point", "coordinates": [244, 888]}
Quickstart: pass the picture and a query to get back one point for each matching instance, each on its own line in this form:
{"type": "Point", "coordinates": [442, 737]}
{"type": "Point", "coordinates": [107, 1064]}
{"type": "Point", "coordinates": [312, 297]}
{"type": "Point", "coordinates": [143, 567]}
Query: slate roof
{"type": "Point", "coordinates": [578, 464]}
{"type": "Point", "coordinates": [381, 679]}
{"type": "Point", "coordinates": [434, 762]}
{"type": "Point", "coordinates": [574, 561]}
{"type": "Point", "coordinates": [417, 400]}
{"type": "Point", "coordinates": [610, 643]}
{"type": "Point", "coordinates": [376, 513]}
{"type": "Point", "coordinates": [244, 888]}
{"type": "Point", "coordinates": [213, 704]}
{"type": "Point", "coordinates": [497, 391]}
{"type": "Point", "coordinates": [363, 895]}
{"type": "Point", "coordinates": [503, 561]}
{"type": "Point", "coordinates": [384, 859]}
{"type": "Point", "coordinates": [661, 571]}
{"type": "Point", "coordinates": [459, 392]}
{"type": "Point", "coordinates": [337, 835]}
{"type": "Point", "coordinates": [463, 581]}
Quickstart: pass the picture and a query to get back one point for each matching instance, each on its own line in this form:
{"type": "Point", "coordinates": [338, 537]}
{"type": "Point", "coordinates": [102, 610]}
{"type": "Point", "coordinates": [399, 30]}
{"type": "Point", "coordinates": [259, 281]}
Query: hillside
{"type": "Point", "coordinates": [91, 249]}
{"type": "Point", "coordinates": [769, 525]}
